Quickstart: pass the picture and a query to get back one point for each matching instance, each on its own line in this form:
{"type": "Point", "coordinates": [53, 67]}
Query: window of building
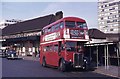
{"type": "Point", "coordinates": [116, 8]}
{"type": "Point", "coordinates": [118, 11]}
{"type": "Point", "coordinates": [115, 25]}
{"type": "Point", "coordinates": [116, 29]}
{"type": "Point", "coordinates": [102, 10]}
{"type": "Point", "coordinates": [105, 5]}
{"type": "Point", "coordinates": [109, 17]}
{"type": "Point", "coordinates": [114, 16]}
{"type": "Point", "coordinates": [106, 9]}
{"type": "Point", "coordinates": [115, 20]}
{"type": "Point", "coordinates": [102, 6]}
{"type": "Point", "coordinates": [108, 21]}
{"type": "Point", "coordinates": [113, 8]}
{"type": "Point", "coordinates": [101, 18]}
{"type": "Point", "coordinates": [112, 4]}
{"type": "Point", "coordinates": [111, 29]}
{"type": "Point", "coordinates": [118, 2]}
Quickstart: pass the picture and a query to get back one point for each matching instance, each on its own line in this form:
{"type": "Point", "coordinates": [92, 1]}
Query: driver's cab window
{"type": "Point", "coordinates": [70, 46]}
{"type": "Point", "coordinates": [62, 47]}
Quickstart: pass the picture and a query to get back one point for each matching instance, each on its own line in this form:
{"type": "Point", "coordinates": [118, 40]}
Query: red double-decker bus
{"type": "Point", "coordinates": [62, 43]}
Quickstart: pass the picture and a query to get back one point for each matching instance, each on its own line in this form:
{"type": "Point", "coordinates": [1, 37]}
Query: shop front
{"type": "Point", "coordinates": [25, 46]}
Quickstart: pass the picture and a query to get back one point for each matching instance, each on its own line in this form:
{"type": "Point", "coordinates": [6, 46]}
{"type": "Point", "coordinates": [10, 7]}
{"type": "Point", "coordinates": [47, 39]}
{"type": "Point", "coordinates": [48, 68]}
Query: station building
{"type": "Point", "coordinates": [25, 35]}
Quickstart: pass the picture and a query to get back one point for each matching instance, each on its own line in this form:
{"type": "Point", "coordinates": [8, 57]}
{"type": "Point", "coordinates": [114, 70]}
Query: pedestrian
{"type": "Point", "coordinates": [35, 53]}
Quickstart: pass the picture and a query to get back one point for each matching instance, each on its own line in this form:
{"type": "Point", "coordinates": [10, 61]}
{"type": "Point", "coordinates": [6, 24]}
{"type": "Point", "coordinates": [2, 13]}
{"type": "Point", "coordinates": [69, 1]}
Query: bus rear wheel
{"type": "Point", "coordinates": [43, 62]}
{"type": "Point", "coordinates": [62, 66]}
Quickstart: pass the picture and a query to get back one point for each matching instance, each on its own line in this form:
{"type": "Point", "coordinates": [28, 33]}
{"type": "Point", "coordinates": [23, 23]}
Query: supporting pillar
{"type": "Point", "coordinates": [97, 57]}
{"type": "Point", "coordinates": [118, 53]}
{"type": "Point", "coordinates": [105, 56]}
{"type": "Point", "coordinates": [90, 52]}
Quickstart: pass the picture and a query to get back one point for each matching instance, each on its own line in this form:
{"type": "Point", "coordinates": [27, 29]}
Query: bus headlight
{"type": "Point", "coordinates": [70, 60]}
{"type": "Point", "coordinates": [84, 60]}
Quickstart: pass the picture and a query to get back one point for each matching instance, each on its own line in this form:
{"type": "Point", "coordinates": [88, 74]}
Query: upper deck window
{"type": "Point", "coordinates": [82, 25]}
{"type": "Point", "coordinates": [57, 26]}
{"type": "Point", "coordinates": [70, 24]}
{"type": "Point", "coordinates": [49, 29]}
{"type": "Point", "coordinates": [61, 25]}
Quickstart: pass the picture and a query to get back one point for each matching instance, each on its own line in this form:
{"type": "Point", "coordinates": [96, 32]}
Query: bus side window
{"type": "Point", "coordinates": [56, 48]}
{"type": "Point", "coordinates": [50, 48]}
{"type": "Point", "coordinates": [61, 25]}
{"type": "Point", "coordinates": [45, 31]}
{"type": "Point", "coordinates": [49, 29]}
{"type": "Point", "coordinates": [57, 26]}
{"type": "Point", "coordinates": [44, 49]}
{"type": "Point", "coordinates": [53, 28]}
{"type": "Point", "coordinates": [47, 48]}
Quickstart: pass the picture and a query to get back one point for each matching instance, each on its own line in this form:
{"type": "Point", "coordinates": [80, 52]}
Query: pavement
{"type": "Point", "coordinates": [113, 71]}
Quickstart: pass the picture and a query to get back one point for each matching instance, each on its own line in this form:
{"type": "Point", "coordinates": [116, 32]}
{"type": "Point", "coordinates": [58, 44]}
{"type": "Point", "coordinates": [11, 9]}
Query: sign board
{"type": "Point", "coordinates": [51, 36]}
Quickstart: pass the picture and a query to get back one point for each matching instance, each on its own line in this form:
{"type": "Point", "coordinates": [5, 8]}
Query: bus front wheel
{"type": "Point", "coordinates": [62, 66]}
{"type": "Point", "coordinates": [43, 62]}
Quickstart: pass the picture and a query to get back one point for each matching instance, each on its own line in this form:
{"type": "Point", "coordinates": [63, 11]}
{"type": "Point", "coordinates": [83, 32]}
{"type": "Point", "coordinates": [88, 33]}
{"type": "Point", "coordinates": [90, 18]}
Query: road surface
{"type": "Point", "coordinates": [33, 69]}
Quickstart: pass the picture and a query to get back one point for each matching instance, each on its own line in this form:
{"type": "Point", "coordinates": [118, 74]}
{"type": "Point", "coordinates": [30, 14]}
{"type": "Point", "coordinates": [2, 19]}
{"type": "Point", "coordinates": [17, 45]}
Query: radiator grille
{"type": "Point", "coordinates": [78, 59]}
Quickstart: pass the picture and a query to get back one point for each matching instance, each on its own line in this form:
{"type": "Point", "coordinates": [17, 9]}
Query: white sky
{"type": "Point", "coordinates": [49, 0]}
{"type": "Point", "coordinates": [30, 10]}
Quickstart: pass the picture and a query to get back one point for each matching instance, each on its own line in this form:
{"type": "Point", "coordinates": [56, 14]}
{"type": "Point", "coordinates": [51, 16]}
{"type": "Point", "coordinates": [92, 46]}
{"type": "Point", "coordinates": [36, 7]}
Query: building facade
{"type": "Point", "coordinates": [109, 16]}
{"type": "Point", "coordinates": [4, 23]}
{"type": "Point", "coordinates": [25, 35]}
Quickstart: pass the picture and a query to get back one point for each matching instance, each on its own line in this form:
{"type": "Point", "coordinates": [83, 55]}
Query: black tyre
{"type": "Point", "coordinates": [62, 66]}
{"type": "Point", "coordinates": [43, 62]}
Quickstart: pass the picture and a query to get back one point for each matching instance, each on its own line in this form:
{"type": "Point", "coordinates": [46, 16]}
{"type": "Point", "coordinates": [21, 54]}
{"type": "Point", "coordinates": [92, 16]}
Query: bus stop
{"type": "Point", "coordinates": [104, 54]}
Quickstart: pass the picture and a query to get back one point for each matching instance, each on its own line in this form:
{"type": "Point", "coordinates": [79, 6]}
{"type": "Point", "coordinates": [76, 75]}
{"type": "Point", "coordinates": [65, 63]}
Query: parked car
{"type": "Point", "coordinates": [11, 54]}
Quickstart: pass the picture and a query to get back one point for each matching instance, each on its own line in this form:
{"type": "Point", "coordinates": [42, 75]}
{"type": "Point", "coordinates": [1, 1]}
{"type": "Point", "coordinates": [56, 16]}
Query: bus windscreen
{"type": "Point", "coordinates": [70, 24]}
{"type": "Point", "coordinates": [70, 46]}
{"type": "Point", "coordinates": [82, 25]}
